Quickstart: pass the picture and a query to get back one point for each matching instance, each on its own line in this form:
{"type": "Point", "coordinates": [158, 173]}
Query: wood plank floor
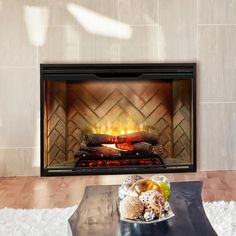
{"type": "Point", "coordinates": [49, 192]}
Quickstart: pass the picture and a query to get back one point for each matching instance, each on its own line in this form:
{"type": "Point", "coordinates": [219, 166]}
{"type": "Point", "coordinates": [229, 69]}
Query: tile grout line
{"type": "Point", "coordinates": [65, 26]}
{"type": "Point", "coordinates": [220, 102]}
{"type": "Point", "coordinates": [6, 148]}
{"type": "Point", "coordinates": [57, 26]}
{"type": "Point", "coordinates": [38, 144]}
{"type": "Point", "coordinates": [18, 67]}
{"type": "Point", "coordinates": [118, 41]}
{"type": "Point", "coordinates": [77, 38]}
{"type": "Point", "coordinates": [197, 34]}
{"type": "Point", "coordinates": [158, 32]}
{"type": "Point", "coordinates": [141, 25]}
{"type": "Point", "coordinates": [216, 24]}
{"type": "Point", "coordinates": [197, 61]}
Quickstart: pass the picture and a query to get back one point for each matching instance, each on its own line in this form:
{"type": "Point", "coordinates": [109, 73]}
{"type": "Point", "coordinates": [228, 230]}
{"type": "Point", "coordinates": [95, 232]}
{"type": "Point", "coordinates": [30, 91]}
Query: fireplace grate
{"type": "Point", "coordinates": [124, 160]}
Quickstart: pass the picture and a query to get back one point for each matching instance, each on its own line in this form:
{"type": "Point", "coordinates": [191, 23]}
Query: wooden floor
{"type": "Point", "coordinates": [49, 192]}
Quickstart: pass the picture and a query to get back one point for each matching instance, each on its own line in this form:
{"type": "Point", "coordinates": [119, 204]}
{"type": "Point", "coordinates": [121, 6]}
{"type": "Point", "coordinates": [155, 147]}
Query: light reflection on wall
{"type": "Point", "coordinates": [98, 24]}
{"type": "Point", "coordinates": [36, 20]}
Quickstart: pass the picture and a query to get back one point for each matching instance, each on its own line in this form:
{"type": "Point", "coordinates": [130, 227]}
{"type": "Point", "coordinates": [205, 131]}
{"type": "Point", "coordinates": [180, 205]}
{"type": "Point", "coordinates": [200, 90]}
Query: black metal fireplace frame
{"type": "Point", "coordinates": [153, 71]}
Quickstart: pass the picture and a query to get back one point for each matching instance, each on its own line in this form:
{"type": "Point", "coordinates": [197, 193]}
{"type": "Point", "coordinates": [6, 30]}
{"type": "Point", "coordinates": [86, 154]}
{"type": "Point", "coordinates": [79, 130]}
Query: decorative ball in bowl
{"type": "Point", "coordinates": [145, 200]}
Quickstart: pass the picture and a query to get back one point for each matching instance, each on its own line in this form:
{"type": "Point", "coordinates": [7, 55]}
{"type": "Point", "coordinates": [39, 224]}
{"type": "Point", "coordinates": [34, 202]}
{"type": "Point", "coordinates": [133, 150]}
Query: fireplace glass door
{"type": "Point", "coordinates": [115, 121]}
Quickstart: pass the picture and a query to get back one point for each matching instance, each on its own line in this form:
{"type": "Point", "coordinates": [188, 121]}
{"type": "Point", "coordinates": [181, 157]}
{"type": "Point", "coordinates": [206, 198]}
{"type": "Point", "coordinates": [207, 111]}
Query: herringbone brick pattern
{"type": "Point", "coordinates": [101, 105]}
{"type": "Point", "coordinates": [182, 120]}
{"type": "Point", "coordinates": [56, 125]}
{"type": "Point", "coordinates": [74, 109]}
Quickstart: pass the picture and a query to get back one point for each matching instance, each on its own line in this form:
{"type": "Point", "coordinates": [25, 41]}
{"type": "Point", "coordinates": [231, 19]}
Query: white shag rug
{"type": "Point", "coordinates": [222, 216]}
{"type": "Point", "coordinates": [45, 222]}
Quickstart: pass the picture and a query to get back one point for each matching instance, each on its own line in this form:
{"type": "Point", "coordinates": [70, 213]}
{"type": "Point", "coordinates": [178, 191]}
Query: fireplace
{"type": "Point", "coordinates": [117, 118]}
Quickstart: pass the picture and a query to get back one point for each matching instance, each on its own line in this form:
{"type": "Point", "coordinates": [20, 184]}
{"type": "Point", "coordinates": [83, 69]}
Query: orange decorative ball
{"type": "Point", "coordinates": [143, 185]}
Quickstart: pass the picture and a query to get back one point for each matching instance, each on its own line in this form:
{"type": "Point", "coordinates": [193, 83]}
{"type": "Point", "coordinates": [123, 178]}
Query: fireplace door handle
{"type": "Point", "coordinates": [117, 76]}
{"type": "Point", "coordinates": [127, 76]}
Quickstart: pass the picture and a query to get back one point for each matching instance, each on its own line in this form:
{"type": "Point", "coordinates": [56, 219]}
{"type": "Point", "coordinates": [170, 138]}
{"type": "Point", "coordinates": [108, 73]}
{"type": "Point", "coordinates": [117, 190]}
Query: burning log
{"type": "Point", "coordinates": [127, 144]}
{"type": "Point", "coordinates": [101, 151]}
{"type": "Point", "coordinates": [138, 137]}
{"type": "Point", "coordinates": [98, 139]}
{"type": "Point", "coordinates": [141, 147]}
{"type": "Point", "coordinates": [136, 147]}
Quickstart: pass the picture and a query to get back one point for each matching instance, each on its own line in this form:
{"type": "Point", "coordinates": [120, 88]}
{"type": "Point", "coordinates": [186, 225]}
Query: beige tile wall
{"type": "Point", "coordinates": [216, 84]}
{"type": "Point", "coordinates": [46, 31]}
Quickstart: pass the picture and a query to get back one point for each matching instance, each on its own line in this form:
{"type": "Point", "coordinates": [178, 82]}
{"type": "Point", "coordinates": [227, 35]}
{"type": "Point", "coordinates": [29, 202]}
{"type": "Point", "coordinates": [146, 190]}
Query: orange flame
{"type": "Point", "coordinates": [118, 128]}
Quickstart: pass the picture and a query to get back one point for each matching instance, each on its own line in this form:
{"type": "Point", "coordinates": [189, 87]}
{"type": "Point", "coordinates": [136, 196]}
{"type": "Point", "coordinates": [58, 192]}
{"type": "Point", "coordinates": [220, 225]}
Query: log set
{"type": "Point", "coordinates": [141, 147]}
{"type": "Point", "coordinates": [99, 139]}
{"type": "Point", "coordinates": [138, 137]}
{"type": "Point", "coordinates": [98, 151]}
{"type": "Point", "coordinates": [133, 143]}
{"type": "Point", "coordinates": [142, 136]}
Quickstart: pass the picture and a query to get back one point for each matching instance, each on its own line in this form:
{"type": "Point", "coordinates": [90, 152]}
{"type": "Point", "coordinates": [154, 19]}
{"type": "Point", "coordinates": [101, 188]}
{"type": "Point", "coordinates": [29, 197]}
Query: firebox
{"type": "Point", "coordinates": [118, 118]}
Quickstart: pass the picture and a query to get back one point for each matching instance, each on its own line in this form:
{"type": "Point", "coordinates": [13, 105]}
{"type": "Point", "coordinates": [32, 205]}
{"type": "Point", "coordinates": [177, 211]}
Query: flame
{"type": "Point", "coordinates": [118, 128]}
{"type": "Point", "coordinates": [112, 146]}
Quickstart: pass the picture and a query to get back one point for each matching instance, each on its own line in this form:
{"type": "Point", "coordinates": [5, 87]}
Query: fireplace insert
{"type": "Point", "coordinates": [118, 118]}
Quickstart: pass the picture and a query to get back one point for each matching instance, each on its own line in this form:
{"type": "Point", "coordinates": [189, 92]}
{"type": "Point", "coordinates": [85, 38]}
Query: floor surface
{"type": "Point", "coordinates": [49, 192]}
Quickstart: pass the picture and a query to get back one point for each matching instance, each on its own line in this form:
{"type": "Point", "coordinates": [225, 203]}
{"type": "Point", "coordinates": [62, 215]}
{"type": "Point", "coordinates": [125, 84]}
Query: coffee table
{"type": "Point", "coordinates": [98, 214]}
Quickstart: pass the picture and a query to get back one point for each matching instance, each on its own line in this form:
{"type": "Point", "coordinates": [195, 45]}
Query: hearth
{"type": "Point", "coordinates": [117, 118]}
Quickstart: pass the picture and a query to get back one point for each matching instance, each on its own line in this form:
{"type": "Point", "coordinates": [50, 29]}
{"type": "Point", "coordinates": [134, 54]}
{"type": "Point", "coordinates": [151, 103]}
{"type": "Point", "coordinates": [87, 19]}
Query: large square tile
{"type": "Point", "coordinates": [106, 8]}
{"type": "Point", "coordinates": [18, 161]}
{"type": "Point", "coordinates": [18, 107]}
{"type": "Point", "coordinates": [98, 30]}
{"type": "Point", "coordinates": [5, 168]}
{"type": "Point", "coordinates": [217, 63]}
{"type": "Point", "coordinates": [31, 161]}
{"type": "Point", "coordinates": [138, 12]}
{"type": "Point", "coordinates": [97, 48]}
{"type": "Point", "coordinates": [141, 47]}
{"type": "Point", "coordinates": [177, 30]}
{"type": "Point", "coordinates": [61, 45]}
{"type": "Point", "coordinates": [58, 13]}
{"type": "Point", "coordinates": [17, 48]}
{"type": "Point", "coordinates": [216, 11]}
{"type": "Point", "coordinates": [217, 136]}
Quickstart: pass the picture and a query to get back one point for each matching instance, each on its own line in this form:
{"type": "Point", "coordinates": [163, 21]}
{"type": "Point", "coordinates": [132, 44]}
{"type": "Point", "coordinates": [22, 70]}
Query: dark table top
{"type": "Point", "coordinates": [98, 214]}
